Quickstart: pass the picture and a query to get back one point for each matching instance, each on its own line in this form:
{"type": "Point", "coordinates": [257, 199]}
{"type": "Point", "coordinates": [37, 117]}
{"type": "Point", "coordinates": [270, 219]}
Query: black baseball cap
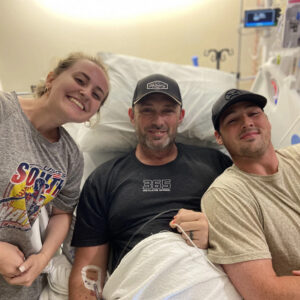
{"type": "Point", "coordinates": [231, 97]}
{"type": "Point", "coordinates": [157, 83]}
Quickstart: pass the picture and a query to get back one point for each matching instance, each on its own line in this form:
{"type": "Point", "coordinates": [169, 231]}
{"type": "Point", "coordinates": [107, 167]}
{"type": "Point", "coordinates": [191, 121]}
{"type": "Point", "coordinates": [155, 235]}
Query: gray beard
{"type": "Point", "coordinates": [142, 139]}
{"type": "Point", "coordinates": [158, 147]}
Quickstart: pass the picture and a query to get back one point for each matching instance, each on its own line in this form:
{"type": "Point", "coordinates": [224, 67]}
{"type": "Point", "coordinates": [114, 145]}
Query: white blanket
{"type": "Point", "coordinates": [59, 270]}
{"type": "Point", "coordinates": [163, 266]}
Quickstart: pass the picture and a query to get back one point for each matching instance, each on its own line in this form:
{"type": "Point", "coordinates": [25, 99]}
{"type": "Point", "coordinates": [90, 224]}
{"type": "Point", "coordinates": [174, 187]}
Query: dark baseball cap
{"type": "Point", "coordinates": [231, 97]}
{"type": "Point", "coordinates": [157, 83]}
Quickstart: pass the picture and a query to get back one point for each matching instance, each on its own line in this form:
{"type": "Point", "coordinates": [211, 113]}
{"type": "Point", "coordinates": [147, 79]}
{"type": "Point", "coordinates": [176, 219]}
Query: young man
{"type": "Point", "coordinates": [128, 199]}
{"type": "Point", "coordinates": [253, 208]}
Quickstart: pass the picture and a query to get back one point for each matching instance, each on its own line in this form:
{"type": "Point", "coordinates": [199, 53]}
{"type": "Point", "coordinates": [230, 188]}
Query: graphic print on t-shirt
{"type": "Point", "coordinates": [31, 187]}
{"type": "Point", "coordinates": [156, 185]}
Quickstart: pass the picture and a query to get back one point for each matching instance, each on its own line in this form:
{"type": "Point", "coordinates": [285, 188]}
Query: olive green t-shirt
{"type": "Point", "coordinates": [256, 217]}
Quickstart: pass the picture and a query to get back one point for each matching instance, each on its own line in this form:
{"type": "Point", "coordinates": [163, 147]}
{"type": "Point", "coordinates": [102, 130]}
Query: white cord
{"type": "Point", "coordinates": [201, 254]}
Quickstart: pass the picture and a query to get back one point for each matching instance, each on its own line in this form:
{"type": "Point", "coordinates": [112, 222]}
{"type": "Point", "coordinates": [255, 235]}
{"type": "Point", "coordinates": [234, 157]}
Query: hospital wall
{"type": "Point", "coordinates": [33, 38]}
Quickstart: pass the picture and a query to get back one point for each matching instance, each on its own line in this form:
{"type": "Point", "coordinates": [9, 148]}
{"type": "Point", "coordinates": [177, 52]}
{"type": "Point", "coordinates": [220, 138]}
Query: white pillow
{"type": "Point", "coordinates": [199, 87]}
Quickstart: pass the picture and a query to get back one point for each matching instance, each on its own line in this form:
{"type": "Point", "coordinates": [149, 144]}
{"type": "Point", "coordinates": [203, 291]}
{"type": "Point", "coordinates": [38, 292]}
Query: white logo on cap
{"type": "Point", "coordinates": [157, 85]}
{"type": "Point", "coordinates": [232, 94]}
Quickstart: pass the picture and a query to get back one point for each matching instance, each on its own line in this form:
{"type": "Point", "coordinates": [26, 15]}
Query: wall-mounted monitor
{"type": "Point", "coordinates": [261, 17]}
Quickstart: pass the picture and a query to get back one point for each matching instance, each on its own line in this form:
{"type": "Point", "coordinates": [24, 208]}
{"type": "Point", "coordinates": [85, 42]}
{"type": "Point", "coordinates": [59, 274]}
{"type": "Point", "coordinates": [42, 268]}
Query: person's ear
{"type": "Point", "coordinates": [182, 114]}
{"type": "Point", "coordinates": [50, 78]}
{"type": "Point", "coordinates": [131, 115]}
{"type": "Point", "coordinates": [218, 138]}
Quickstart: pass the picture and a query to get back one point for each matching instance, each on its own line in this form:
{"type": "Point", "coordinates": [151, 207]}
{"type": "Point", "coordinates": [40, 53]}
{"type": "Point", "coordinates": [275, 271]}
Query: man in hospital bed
{"type": "Point", "coordinates": [127, 204]}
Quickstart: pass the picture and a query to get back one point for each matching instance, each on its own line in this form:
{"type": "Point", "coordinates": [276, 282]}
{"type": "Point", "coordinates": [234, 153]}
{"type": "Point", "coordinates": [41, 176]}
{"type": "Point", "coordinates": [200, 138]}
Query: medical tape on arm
{"type": "Point", "coordinates": [91, 284]}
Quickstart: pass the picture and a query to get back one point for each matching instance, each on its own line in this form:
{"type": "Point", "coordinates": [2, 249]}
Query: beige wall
{"type": "Point", "coordinates": [32, 38]}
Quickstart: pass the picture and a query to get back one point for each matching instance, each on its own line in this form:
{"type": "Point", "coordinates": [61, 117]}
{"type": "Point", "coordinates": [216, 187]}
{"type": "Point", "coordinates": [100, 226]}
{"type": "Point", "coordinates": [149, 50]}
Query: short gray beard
{"type": "Point", "coordinates": [158, 147]}
{"type": "Point", "coordinates": [142, 140]}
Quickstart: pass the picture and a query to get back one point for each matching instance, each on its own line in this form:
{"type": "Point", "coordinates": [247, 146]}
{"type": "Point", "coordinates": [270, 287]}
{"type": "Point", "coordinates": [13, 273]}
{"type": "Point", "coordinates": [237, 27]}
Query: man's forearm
{"type": "Point", "coordinates": [96, 257]}
{"type": "Point", "coordinates": [77, 290]}
{"type": "Point", "coordinates": [256, 280]}
{"type": "Point", "coordinates": [283, 288]}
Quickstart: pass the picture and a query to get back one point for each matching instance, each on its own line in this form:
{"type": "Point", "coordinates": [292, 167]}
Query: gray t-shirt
{"type": "Point", "coordinates": [34, 173]}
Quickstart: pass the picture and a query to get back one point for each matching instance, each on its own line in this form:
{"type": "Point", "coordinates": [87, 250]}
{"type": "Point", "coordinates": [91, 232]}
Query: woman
{"type": "Point", "coordinates": [42, 167]}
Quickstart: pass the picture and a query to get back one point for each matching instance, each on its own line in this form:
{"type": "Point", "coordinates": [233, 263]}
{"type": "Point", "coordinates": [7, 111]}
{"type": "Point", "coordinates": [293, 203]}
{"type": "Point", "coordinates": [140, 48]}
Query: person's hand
{"type": "Point", "coordinates": [194, 224]}
{"type": "Point", "coordinates": [11, 257]}
{"type": "Point", "coordinates": [296, 272]}
{"type": "Point", "coordinates": [30, 269]}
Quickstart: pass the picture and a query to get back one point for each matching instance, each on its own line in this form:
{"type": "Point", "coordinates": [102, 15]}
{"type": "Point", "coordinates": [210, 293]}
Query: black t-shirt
{"type": "Point", "coordinates": [124, 201]}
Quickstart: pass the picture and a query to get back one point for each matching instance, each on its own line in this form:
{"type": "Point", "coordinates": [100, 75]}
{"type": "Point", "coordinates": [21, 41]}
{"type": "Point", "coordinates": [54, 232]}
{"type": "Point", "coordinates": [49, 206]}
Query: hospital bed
{"type": "Point", "coordinates": [113, 134]}
{"type": "Point", "coordinates": [278, 80]}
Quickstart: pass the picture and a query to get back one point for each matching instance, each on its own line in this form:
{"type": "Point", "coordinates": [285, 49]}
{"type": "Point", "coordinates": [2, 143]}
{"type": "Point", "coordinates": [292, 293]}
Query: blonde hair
{"type": "Point", "coordinates": [68, 62]}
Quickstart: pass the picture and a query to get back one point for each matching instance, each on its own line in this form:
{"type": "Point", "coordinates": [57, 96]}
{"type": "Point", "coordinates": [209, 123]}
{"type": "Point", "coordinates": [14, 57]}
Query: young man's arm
{"type": "Point", "coordinates": [95, 256]}
{"type": "Point", "coordinates": [257, 280]}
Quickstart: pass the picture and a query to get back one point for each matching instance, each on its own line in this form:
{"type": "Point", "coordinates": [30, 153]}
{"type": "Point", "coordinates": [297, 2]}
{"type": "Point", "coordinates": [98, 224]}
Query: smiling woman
{"type": "Point", "coordinates": [111, 9]}
{"type": "Point", "coordinates": [42, 170]}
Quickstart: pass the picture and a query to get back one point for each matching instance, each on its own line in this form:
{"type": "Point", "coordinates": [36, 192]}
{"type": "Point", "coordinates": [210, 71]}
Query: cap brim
{"type": "Point", "coordinates": [257, 99]}
{"type": "Point", "coordinates": [156, 92]}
